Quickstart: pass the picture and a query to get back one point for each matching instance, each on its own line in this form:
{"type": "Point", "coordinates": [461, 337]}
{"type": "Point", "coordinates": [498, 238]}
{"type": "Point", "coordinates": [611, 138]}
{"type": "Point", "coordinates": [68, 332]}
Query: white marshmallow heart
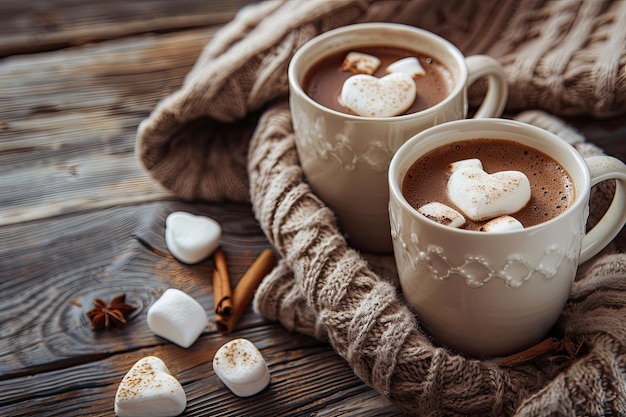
{"type": "Point", "coordinates": [241, 367]}
{"type": "Point", "coordinates": [177, 317]}
{"type": "Point", "coordinates": [409, 65]}
{"type": "Point", "coordinates": [481, 196]}
{"type": "Point", "coordinates": [191, 238]}
{"type": "Point", "coordinates": [148, 389]}
{"type": "Point", "coordinates": [465, 163]}
{"type": "Point", "coordinates": [360, 63]}
{"type": "Point", "coordinates": [369, 96]}
{"type": "Point", "coordinates": [501, 224]}
{"type": "Point", "coordinates": [442, 214]}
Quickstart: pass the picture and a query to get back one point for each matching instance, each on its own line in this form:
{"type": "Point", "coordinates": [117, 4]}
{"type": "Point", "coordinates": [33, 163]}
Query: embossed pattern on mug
{"type": "Point", "coordinates": [376, 156]}
{"type": "Point", "coordinates": [475, 268]}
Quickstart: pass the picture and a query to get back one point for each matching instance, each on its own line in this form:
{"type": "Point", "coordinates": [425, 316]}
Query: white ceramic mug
{"type": "Point", "coordinates": [345, 157]}
{"type": "Point", "coordinates": [492, 294]}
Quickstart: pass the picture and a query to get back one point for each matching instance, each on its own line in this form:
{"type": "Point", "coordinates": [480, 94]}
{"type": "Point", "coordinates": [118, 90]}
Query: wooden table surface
{"type": "Point", "coordinates": [80, 219]}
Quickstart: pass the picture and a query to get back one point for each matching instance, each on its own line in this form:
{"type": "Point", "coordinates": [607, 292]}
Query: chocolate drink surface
{"type": "Point", "coordinates": [324, 80]}
{"type": "Point", "coordinates": [552, 189]}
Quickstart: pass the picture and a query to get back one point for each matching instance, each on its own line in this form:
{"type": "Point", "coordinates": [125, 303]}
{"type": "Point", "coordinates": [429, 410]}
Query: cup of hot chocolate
{"type": "Point", "coordinates": [357, 93]}
{"type": "Point", "coordinates": [488, 220]}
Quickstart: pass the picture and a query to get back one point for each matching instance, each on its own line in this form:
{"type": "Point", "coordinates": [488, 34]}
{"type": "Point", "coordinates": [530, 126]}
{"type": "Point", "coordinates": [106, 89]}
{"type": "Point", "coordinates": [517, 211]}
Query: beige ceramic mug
{"type": "Point", "coordinates": [345, 157]}
{"type": "Point", "coordinates": [497, 293]}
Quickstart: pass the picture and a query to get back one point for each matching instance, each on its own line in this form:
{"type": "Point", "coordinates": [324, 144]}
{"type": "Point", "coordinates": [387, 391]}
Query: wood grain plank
{"type": "Point", "coordinates": [81, 219]}
{"type": "Point", "coordinates": [308, 378]}
{"type": "Point", "coordinates": [128, 75]}
{"type": "Point", "coordinates": [29, 27]}
{"type": "Point", "coordinates": [50, 360]}
{"type": "Point", "coordinates": [73, 114]}
{"type": "Point", "coordinates": [57, 267]}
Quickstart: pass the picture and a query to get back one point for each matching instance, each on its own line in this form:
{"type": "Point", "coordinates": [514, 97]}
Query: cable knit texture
{"type": "Point", "coordinates": [226, 134]}
{"type": "Point", "coordinates": [324, 288]}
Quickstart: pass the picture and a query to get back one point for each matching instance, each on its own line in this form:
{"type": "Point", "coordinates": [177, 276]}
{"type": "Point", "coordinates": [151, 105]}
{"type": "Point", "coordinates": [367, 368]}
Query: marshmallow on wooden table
{"type": "Point", "coordinates": [148, 389]}
{"type": "Point", "coordinates": [370, 96]}
{"type": "Point", "coordinates": [177, 317]}
{"type": "Point", "coordinates": [191, 238]}
{"type": "Point", "coordinates": [482, 196]}
{"type": "Point", "coordinates": [241, 367]}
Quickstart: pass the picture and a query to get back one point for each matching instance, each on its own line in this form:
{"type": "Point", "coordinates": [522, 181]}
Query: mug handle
{"type": "Point", "coordinates": [480, 66]}
{"type": "Point", "coordinates": [604, 168]}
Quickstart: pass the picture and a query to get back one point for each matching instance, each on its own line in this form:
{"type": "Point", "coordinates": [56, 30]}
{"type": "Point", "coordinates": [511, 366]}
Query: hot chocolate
{"type": "Point", "coordinates": [324, 80]}
{"type": "Point", "coordinates": [551, 187]}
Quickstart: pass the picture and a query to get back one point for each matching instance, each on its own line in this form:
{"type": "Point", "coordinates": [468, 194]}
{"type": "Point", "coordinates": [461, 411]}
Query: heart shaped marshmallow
{"type": "Point", "coordinates": [191, 238]}
{"type": "Point", "coordinates": [148, 389]}
{"type": "Point", "coordinates": [369, 96]}
{"type": "Point", "coordinates": [482, 196]}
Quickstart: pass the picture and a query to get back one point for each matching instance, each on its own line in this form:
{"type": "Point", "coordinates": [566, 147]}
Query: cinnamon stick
{"type": "Point", "coordinates": [244, 290]}
{"type": "Point", "coordinates": [549, 345]}
{"type": "Point", "coordinates": [222, 291]}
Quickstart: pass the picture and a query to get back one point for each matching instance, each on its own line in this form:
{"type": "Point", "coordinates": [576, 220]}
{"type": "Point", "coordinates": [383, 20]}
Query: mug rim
{"type": "Point", "coordinates": [459, 85]}
{"type": "Point", "coordinates": [463, 127]}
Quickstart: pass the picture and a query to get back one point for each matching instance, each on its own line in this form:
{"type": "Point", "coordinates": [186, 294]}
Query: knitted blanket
{"type": "Point", "coordinates": [226, 135]}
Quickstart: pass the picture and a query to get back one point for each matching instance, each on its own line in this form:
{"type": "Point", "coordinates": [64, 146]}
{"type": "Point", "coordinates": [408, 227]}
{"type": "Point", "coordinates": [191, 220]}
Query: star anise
{"type": "Point", "coordinates": [105, 316]}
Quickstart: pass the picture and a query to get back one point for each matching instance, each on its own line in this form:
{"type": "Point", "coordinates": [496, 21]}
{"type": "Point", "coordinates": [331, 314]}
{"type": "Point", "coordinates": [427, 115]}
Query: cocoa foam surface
{"type": "Point", "coordinates": [552, 190]}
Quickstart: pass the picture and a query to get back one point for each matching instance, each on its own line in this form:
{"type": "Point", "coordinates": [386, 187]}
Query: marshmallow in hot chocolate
{"type": "Point", "coordinates": [360, 63]}
{"type": "Point", "coordinates": [369, 96]}
{"type": "Point", "coordinates": [465, 163]}
{"type": "Point", "coordinates": [482, 196]}
{"type": "Point", "coordinates": [409, 65]}
{"type": "Point", "coordinates": [501, 224]}
{"type": "Point", "coordinates": [442, 214]}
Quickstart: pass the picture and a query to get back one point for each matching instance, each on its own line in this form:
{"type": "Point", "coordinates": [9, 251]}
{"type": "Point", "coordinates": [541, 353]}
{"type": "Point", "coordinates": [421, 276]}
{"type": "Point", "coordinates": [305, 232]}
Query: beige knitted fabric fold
{"type": "Point", "coordinates": [567, 57]}
{"type": "Point", "coordinates": [333, 293]}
